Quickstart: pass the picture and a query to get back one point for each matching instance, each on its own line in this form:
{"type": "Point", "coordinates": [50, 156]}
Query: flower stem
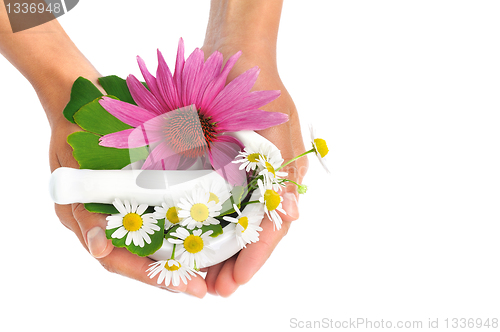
{"type": "Point", "coordinates": [173, 252]}
{"type": "Point", "coordinates": [288, 180]}
{"type": "Point", "coordinates": [302, 189]}
{"type": "Point", "coordinates": [298, 157]}
{"type": "Point", "coordinates": [250, 202]}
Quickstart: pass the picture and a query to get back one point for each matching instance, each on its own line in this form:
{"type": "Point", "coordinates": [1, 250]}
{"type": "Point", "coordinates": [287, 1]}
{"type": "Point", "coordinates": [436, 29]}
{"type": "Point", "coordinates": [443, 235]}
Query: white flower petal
{"type": "Point", "coordinates": [127, 206]}
{"type": "Point", "coordinates": [128, 240]}
{"type": "Point", "coordinates": [119, 206]}
{"type": "Point", "coordinates": [141, 209]}
{"type": "Point", "coordinates": [119, 233]}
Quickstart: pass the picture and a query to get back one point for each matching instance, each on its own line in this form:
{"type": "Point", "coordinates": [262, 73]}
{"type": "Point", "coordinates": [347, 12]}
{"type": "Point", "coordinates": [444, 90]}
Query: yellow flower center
{"type": "Point", "coordinates": [253, 158]}
{"type": "Point", "coordinates": [244, 223]}
{"type": "Point", "coordinates": [213, 197]}
{"type": "Point", "coordinates": [132, 222]}
{"type": "Point", "coordinates": [321, 147]}
{"type": "Point", "coordinates": [199, 212]}
{"type": "Point", "coordinates": [174, 266]}
{"type": "Point", "coordinates": [272, 199]}
{"type": "Point", "coordinates": [193, 244]}
{"type": "Point", "coordinates": [270, 168]}
{"type": "Point", "coordinates": [172, 215]}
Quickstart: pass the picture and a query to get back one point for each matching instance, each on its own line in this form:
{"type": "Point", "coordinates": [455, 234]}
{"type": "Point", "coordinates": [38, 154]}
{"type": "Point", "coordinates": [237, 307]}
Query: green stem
{"type": "Point", "coordinates": [250, 202]}
{"type": "Point", "coordinates": [288, 180]}
{"type": "Point", "coordinates": [251, 184]}
{"type": "Point", "coordinates": [292, 160]}
{"type": "Point", "coordinates": [173, 252]}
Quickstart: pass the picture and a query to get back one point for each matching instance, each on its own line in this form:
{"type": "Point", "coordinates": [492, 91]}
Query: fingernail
{"type": "Point", "coordinates": [169, 289]}
{"type": "Point", "coordinates": [290, 205]}
{"type": "Point", "coordinates": [97, 241]}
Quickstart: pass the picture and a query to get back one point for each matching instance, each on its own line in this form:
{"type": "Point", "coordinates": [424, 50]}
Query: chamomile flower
{"type": "Point", "coordinates": [172, 271]}
{"type": "Point", "coordinates": [168, 211]}
{"type": "Point", "coordinates": [246, 226]}
{"type": "Point", "coordinates": [197, 209]}
{"type": "Point", "coordinates": [193, 249]}
{"type": "Point", "coordinates": [132, 221]}
{"type": "Point", "coordinates": [272, 202]}
{"type": "Point", "coordinates": [219, 191]}
{"type": "Point", "coordinates": [319, 147]}
{"type": "Point", "coordinates": [270, 174]}
{"type": "Point", "coordinates": [250, 159]}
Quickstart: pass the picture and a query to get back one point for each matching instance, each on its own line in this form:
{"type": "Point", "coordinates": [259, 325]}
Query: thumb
{"type": "Point", "coordinates": [92, 226]}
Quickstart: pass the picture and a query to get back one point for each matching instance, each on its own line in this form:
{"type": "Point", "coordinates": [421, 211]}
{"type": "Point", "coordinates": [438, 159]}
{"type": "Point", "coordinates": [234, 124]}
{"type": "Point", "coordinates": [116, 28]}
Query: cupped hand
{"type": "Point", "coordinates": [224, 278]}
{"type": "Point", "coordinates": [90, 227]}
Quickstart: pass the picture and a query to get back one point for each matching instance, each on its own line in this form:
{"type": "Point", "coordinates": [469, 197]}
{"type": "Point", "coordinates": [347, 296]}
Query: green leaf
{"type": "Point", "coordinates": [117, 86]}
{"type": "Point", "coordinates": [90, 155]}
{"type": "Point", "coordinates": [108, 208]}
{"type": "Point", "coordinates": [217, 229]}
{"type": "Point", "coordinates": [237, 195]}
{"type": "Point", "coordinates": [148, 249]}
{"type": "Point", "coordinates": [101, 208]}
{"type": "Point", "coordinates": [82, 92]}
{"type": "Point", "coordinates": [94, 118]}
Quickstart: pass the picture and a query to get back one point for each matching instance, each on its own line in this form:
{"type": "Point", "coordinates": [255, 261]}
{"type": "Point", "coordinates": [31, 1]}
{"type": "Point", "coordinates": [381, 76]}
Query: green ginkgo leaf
{"type": "Point", "coordinates": [90, 155]}
{"type": "Point", "coordinates": [82, 92]}
{"type": "Point", "coordinates": [94, 118]}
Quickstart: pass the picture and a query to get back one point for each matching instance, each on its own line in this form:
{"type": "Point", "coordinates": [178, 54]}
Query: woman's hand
{"type": "Point", "coordinates": [51, 62]}
{"type": "Point", "coordinates": [251, 27]}
{"type": "Point", "coordinates": [90, 227]}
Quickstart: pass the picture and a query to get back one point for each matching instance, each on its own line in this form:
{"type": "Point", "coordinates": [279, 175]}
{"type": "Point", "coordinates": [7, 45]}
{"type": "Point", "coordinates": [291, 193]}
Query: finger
{"type": "Point", "coordinates": [92, 227]}
{"type": "Point", "coordinates": [211, 278]}
{"type": "Point", "coordinates": [225, 285]}
{"type": "Point", "coordinates": [124, 263]}
{"type": "Point", "coordinates": [120, 260]}
{"type": "Point", "coordinates": [65, 215]}
{"type": "Point", "coordinates": [253, 257]}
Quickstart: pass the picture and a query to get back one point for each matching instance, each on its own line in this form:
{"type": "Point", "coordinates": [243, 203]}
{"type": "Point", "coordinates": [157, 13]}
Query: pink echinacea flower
{"type": "Point", "coordinates": [184, 116]}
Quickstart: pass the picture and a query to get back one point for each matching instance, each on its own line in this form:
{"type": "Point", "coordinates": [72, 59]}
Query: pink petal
{"type": "Point", "coordinates": [151, 82]}
{"type": "Point", "coordinates": [162, 157]}
{"type": "Point", "coordinates": [166, 84]}
{"type": "Point", "coordinates": [117, 140]}
{"type": "Point", "coordinates": [251, 120]}
{"type": "Point", "coordinates": [179, 67]}
{"type": "Point", "coordinates": [128, 113]}
{"type": "Point", "coordinates": [253, 100]}
{"type": "Point", "coordinates": [142, 96]}
{"type": "Point", "coordinates": [232, 140]}
{"type": "Point", "coordinates": [186, 162]}
{"type": "Point", "coordinates": [146, 134]}
{"type": "Point", "coordinates": [190, 77]}
{"type": "Point", "coordinates": [222, 153]}
{"type": "Point", "coordinates": [218, 84]}
{"type": "Point", "coordinates": [211, 69]}
{"type": "Point", "coordinates": [233, 93]}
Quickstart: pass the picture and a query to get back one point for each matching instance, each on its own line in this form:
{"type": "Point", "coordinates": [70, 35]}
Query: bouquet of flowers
{"type": "Point", "coordinates": [187, 122]}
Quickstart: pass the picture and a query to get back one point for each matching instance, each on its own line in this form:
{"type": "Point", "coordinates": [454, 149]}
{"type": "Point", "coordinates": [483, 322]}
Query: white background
{"type": "Point", "coordinates": [405, 228]}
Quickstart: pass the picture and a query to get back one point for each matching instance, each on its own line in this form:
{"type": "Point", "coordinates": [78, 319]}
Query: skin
{"type": "Point", "coordinates": [51, 62]}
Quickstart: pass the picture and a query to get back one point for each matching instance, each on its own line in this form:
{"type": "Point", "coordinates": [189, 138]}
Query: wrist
{"type": "Point", "coordinates": [54, 89]}
{"type": "Point", "coordinates": [50, 61]}
{"type": "Point", "coordinates": [247, 25]}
